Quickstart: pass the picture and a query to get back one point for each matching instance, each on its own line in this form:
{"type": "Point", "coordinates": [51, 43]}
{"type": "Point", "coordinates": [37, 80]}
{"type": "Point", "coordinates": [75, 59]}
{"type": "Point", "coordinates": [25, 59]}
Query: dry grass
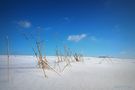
{"type": "Point", "coordinates": [67, 57]}
{"type": "Point", "coordinates": [42, 61]}
{"type": "Point", "coordinates": [78, 57]}
{"type": "Point", "coordinates": [58, 60]}
{"type": "Point", "coordinates": [8, 56]}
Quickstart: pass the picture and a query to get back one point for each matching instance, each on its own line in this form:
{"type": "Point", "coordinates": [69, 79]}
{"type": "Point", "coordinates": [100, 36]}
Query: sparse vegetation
{"type": "Point", "coordinates": [78, 57]}
{"type": "Point", "coordinates": [42, 60]}
{"type": "Point", "coordinates": [58, 60]}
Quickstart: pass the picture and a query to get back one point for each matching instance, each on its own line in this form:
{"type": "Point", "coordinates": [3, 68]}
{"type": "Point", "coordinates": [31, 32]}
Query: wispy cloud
{"type": "Point", "coordinates": [24, 24]}
{"type": "Point", "coordinates": [76, 38]}
{"type": "Point", "coordinates": [93, 38]}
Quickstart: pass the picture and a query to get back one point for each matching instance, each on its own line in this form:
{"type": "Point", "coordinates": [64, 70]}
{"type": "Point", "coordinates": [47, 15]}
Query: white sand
{"type": "Point", "coordinates": [87, 75]}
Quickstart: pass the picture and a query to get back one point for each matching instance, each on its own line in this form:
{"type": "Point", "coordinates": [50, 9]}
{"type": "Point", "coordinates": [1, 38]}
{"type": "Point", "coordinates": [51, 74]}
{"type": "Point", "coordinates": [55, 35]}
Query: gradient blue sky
{"type": "Point", "coordinates": [92, 27]}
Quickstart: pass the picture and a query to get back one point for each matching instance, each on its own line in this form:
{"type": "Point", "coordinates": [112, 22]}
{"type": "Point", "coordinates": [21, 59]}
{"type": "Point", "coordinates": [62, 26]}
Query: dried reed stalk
{"type": "Point", "coordinates": [58, 59]}
{"type": "Point", "coordinates": [78, 57]}
{"type": "Point", "coordinates": [35, 53]}
{"type": "Point", "coordinates": [66, 58]}
{"type": "Point", "coordinates": [8, 56]}
{"type": "Point", "coordinates": [42, 62]}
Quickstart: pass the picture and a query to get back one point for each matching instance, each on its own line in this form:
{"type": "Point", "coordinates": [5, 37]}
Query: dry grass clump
{"type": "Point", "coordinates": [42, 61]}
{"type": "Point", "coordinates": [78, 57]}
{"type": "Point", "coordinates": [59, 59]}
{"type": "Point", "coordinates": [67, 55]}
{"type": "Point", "coordinates": [62, 58]}
{"type": "Point", "coordinates": [67, 58]}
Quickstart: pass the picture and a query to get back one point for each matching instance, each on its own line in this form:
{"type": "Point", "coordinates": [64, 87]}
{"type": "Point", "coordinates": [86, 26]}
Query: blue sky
{"type": "Point", "coordinates": [91, 27]}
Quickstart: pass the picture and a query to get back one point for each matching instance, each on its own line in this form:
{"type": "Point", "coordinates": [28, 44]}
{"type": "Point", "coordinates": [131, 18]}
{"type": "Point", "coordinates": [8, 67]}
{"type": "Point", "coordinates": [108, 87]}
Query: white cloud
{"type": "Point", "coordinates": [25, 24]}
{"type": "Point", "coordinates": [76, 38]}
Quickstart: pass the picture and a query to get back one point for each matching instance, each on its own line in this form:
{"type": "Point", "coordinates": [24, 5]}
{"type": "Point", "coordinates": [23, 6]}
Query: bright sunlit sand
{"type": "Point", "coordinates": [91, 74]}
